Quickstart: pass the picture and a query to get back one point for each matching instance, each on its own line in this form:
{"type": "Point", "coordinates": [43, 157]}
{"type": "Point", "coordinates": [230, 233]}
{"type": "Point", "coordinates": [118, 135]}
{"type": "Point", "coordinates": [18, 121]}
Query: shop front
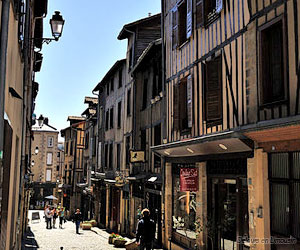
{"type": "Point", "coordinates": [205, 193]}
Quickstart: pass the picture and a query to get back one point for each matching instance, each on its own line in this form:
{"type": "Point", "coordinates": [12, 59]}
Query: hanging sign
{"type": "Point", "coordinates": [137, 156]}
{"type": "Point", "coordinates": [188, 179]}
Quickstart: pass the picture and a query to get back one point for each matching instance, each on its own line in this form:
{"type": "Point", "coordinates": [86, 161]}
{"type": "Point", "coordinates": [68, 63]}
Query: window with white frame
{"type": "Point", "coordinates": [50, 141]}
{"type": "Point", "coordinates": [49, 158]}
{"type": "Point", "coordinates": [48, 174]}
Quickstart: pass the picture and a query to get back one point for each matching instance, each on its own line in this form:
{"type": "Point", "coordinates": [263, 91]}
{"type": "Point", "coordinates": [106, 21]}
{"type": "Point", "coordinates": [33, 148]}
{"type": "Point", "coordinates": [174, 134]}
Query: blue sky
{"type": "Point", "coordinates": [74, 65]}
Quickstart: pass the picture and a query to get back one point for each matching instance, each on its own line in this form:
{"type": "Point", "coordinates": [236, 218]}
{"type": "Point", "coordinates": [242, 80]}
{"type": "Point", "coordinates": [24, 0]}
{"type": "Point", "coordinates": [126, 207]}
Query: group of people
{"type": "Point", "coordinates": [51, 215]}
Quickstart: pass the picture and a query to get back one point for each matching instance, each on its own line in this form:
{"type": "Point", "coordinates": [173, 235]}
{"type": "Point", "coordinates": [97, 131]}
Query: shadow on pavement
{"type": "Point", "coordinates": [29, 242]}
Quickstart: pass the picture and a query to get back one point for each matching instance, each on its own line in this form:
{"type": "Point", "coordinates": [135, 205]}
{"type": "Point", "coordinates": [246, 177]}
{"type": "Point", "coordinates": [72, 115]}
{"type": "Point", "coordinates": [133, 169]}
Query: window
{"type": "Point", "coordinates": [107, 89]}
{"type": "Point", "coordinates": [157, 141]}
{"type": "Point", "coordinates": [119, 113]}
{"type": "Point", "coordinates": [57, 168]}
{"type": "Point", "coordinates": [143, 139]}
{"type": "Point", "coordinates": [130, 58]}
{"type": "Point", "coordinates": [127, 151]}
{"type": "Point", "coordinates": [112, 85]}
{"type": "Point", "coordinates": [71, 148]}
{"type": "Point", "coordinates": [184, 209]}
{"type": "Point", "coordinates": [101, 117]}
{"type": "Point", "coordinates": [213, 92]}
{"type": "Point", "coordinates": [49, 158]}
{"type": "Point", "coordinates": [272, 64]}
{"type": "Point", "coordinates": [106, 155]}
{"type": "Point", "coordinates": [182, 23]}
{"type": "Point", "coordinates": [157, 80]}
{"type": "Point", "coordinates": [50, 141]}
{"type": "Point", "coordinates": [106, 119]}
{"type": "Point", "coordinates": [183, 93]}
{"type": "Point", "coordinates": [120, 78]}
{"type": "Point", "coordinates": [87, 140]}
{"type": "Point", "coordinates": [111, 155]}
{"type": "Point", "coordinates": [48, 174]}
{"type": "Point", "coordinates": [284, 172]}
{"type": "Point", "coordinates": [67, 147]}
{"type": "Point", "coordinates": [118, 156]}
{"type": "Point", "coordinates": [128, 102]}
{"type": "Point", "coordinates": [145, 93]}
{"type": "Point", "coordinates": [111, 118]}
{"type": "Point", "coordinates": [207, 11]}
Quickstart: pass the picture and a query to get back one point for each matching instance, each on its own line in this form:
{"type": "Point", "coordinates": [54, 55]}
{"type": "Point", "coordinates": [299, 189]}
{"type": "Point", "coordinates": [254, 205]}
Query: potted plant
{"type": "Point", "coordinates": [111, 238]}
{"type": "Point", "coordinates": [119, 241]}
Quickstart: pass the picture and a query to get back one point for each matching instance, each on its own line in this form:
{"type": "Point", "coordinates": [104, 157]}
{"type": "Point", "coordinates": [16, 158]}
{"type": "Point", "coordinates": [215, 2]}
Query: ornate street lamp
{"type": "Point", "coordinates": [57, 24]}
{"type": "Point", "coordinates": [41, 120]}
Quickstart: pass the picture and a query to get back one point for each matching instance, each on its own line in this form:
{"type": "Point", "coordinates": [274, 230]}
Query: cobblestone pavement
{"type": "Point", "coordinates": [54, 239]}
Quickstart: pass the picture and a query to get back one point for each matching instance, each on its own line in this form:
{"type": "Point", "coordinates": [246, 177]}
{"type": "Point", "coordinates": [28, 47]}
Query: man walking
{"type": "Point", "coordinates": [48, 215]}
{"type": "Point", "coordinates": [77, 218]}
{"type": "Point", "coordinates": [145, 231]}
{"type": "Point", "coordinates": [61, 214]}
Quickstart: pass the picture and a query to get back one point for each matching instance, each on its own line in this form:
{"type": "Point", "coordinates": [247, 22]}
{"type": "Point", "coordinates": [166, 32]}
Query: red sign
{"type": "Point", "coordinates": [188, 179]}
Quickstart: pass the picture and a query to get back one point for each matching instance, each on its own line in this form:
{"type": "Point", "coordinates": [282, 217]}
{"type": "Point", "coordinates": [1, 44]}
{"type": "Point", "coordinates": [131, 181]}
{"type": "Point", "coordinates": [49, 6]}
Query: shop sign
{"type": "Point", "coordinates": [137, 156]}
{"type": "Point", "coordinates": [188, 179]}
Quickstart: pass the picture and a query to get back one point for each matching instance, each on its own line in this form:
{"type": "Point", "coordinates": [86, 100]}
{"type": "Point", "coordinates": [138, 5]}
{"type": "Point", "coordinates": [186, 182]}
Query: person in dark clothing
{"type": "Point", "coordinates": [145, 231]}
{"type": "Point", "coordinates": [77, 218]}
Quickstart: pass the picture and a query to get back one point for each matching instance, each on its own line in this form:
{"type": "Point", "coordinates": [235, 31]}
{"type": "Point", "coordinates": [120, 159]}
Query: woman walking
{"type": "Point", "coordinates": [54, 214]}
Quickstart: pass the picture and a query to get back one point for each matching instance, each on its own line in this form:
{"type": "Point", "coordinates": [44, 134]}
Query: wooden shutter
{"type": "Point", "coordinates": [219, 6]}
{"type": "Point", "coordinates": [213, 90]}
{"type": "Point", "coordinates": [176, 107]}
{"type": "Point", "coordinates": [199, 13]}
{"type": "Point", "coordinates": [189, 19]}
{"type": "Point", "coordinates": [175, 28]}
{"type": "Point", "coordinates": [190, 100]}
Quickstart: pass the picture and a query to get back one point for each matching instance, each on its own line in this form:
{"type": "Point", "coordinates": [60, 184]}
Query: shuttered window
{"type": "Point", "coordinates": [119, 113]}
{"type": "Point", "coordinates": [182, 22]}
{"type": "Point", "coordinates": [145, 93]}
{"type": "Point", "coordinates": [213, 92]}
{"type": "Point", "coordinates": [272, 64]}
{"type": "Point", "coordinates": [199, 13]}
{"type": "Point", "coordinates": [183, 104]}
{"type": "Point", "coordinates": [284, 169]}
{"type": "Point", "coordinates": [118, 156]}
{"type": "Point", "coordinates": [48, 174]}
{"type": "Point", "coordinates": [189, 19]}
{"type": "Point", "coordinates": [175, 28]}
{"type": "Point", "coordinates": [106, 119]}
{"type": "Point", "coordinates": [112, 118]}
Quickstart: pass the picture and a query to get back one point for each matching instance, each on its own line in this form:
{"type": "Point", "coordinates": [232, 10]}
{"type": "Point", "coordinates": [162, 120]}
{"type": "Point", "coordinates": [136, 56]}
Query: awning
{"type": "Point", "coordinates": [212, 144]}
{"type": "Point", "coordinates": [82, 185]}
{"type": "Point", "coordinates": [136, 177]}
{"type": "Point", "coordinates": [154, 179]}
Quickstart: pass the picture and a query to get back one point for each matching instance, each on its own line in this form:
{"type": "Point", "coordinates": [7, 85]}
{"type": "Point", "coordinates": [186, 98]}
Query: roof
{"type": "Point", "coordinates": [75, 118]}
{"type": "Point", "coordinates": [91, 100]}
{"type": "Point", "coordinates": [44, 128]}
{"type": "Point", "coordinates": [124, 32]}
{"type": "Point", "coordinates": [111, 71]}
{"type": "Point", "coordinates": [89, 111]}
{"type": "Point", "coordinates": [146, 52]}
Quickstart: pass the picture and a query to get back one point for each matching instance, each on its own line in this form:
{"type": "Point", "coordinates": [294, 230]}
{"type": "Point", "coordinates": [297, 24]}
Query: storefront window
{"type": "Point", "coordinates": [184, 204]}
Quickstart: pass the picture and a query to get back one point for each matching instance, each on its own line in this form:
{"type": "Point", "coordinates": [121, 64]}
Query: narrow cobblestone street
{"type": "Point", "coordinates": [67, 238]}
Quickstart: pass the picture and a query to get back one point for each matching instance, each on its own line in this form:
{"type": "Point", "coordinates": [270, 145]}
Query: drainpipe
{"type": "Point", "coordinates": [163, 115]}
{"type": "Point", "coordinates": [3, 54]}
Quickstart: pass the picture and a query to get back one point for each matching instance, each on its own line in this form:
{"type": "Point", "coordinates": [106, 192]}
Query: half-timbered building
{"type": "Point", "coordinates": [231, 150]}
{"type": "Point", "coordinates": [149, 107]}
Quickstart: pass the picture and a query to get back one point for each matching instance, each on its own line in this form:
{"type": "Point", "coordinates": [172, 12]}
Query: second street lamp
{"type": "Point", "coordinates": [57, 23]}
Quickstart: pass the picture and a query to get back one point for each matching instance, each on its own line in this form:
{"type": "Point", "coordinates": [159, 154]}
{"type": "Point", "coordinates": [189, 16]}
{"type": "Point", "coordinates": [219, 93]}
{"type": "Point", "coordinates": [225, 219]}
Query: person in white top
{"type": "Point", "coordinates": [48, 216]}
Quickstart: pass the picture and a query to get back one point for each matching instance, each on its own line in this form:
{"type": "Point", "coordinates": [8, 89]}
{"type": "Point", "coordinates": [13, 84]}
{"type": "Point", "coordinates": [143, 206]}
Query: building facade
{"type": "Point", "coordinates": [22, 21]}
{"type": "Point", "coordinates": [231, 150]}
{"type": "Point", "coordinates": [73, 166]}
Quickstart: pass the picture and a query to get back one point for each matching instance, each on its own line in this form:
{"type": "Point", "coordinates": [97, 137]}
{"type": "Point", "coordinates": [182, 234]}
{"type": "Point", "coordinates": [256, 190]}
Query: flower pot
{"type": "Point", "coordinates": [110, 240]}
{"type": "Point", "coordinates": [119, 243]}
{"type": "Point", "coordinates": [86, 226]}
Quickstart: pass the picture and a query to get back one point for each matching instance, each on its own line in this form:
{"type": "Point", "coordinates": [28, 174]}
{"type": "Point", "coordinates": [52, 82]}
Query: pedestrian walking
{"type": "Point", "coordinates": [48, 217]}
{"type": "Point", "coordinates": [61, 215]}
{"type": "Point", "coordinates": [77, 218]}
{"type": "Point", "coordinates": [54, 216]}
{"type": "Point", "coordinates": [145, 231]}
